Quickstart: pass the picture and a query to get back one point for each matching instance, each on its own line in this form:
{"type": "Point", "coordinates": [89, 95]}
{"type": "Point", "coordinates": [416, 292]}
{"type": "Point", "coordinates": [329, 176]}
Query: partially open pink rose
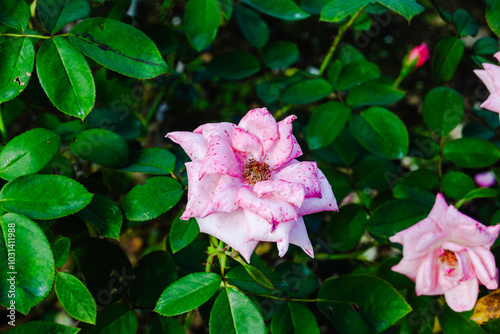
{"type": "Point", "coordinates": [491, 79]}
{"type": "Point", "coordinates": [449, 253]}
{"type": "Point", "coordinates": [245, 185]}
{"type": "Point", "coordinates": [419, 55]}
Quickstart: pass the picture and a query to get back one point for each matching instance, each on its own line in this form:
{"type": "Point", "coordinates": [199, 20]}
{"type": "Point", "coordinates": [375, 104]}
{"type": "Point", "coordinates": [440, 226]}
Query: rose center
{"type": "Point", "coordinates": [255, 171]}
{"type": "Point", "coordinates": [448, 257]}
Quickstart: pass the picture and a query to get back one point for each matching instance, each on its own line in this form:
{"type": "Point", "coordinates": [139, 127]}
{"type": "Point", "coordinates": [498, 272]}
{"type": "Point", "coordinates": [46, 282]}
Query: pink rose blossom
{"type": "Point", "coordinates": [246, 186]}
{"type": "Point", "coordinates": [491, 79]}
{"type": "Point", "coordinates": [420, 54]}
{"type": "Point", "coordinates": [449, 252]}
{"type": "Point", "coordinates": [486, 179]}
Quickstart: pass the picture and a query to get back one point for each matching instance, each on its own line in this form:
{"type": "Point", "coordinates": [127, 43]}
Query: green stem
{"type": "Point", "coordinates": [3, 130]}
{"type": "Point", "coordinates": [398, 80]}
{"type": "Point", "coordinates": [24, 35]}
{"type": "Point", "coordinates": [282, 111]}
{"type": "Point", "coordinates": [342, 29]}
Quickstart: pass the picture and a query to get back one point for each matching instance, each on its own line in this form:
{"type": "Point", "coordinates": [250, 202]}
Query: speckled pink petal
{"type": "Point", "coordinates": [439, 209]}
{"type": "Point", "coordinates": [408, 267]}
{"type": "Point", "coordinates": [300, 238]}
{"type": "Point", "coordinates": [494, 73]}
{"type": "Point", "coordinates": [246, 142]}
{"type": "Point", "coordinates": [305, 173]}
{"type": "Point", "coordinates": [231, 229]}
{"type": "Point", "coordinates": [223, 129]}
{"type": "Point", "coordinates": [326, 203]}
{"type": "Point", "coordinates": [280, 152]}
{"type": "Point", "coordinates": [423, 243]}
{"type": "Point", "coordinates": [288, 191]}
{"type": "Point", "coordinates": [492, 103]}
{"type": "Point", "coordinates": [262, 125]}
{"type": "Point", "coordinates": [485, 78]}
{"type": "Point", "coordinates": [426, 282]}
{"type": "Point", "coordinates": [199, 192]}
{"type": "Point", "coordinates": [463, 297]}
{"type": "Point", "coordinates": [270, 208]}
{"type": "Point", "coordinates": [465, 265]}
{"type": "Point", "coordinates": [220, 159]}
{"type": "Point", "coordinates": [426, 229]}
{"type": "Point", "coordinates": [484, 266]}
{"type": "Point", "coordinates": [193, 144]}
{"type": "Point", "coordinates": [260, 229]}
{"type": "Point", "coordinates": [224, 195]}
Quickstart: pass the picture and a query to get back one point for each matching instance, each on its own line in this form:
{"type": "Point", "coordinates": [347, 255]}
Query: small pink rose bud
{"type": "Point", "coordinates": [418, 56]}
{"type": "Point", "coordinates": [486, 179]}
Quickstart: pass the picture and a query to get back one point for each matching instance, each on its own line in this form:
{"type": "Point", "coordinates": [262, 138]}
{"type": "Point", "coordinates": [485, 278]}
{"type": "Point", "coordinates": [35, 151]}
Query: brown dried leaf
{"type": "Point", "coordinates": [488, 307]}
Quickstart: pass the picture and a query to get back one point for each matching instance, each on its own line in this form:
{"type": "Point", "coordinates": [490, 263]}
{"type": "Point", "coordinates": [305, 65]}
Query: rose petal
{"type": "Point", "coordinates": [223, 129]}
{"type": "Point", "coordinates": [262, 125]}
{"type": "Point", "coordinates": [484, 266]}
{"type": "Point", "coordinates": [199, 192]}
{"type": "Point", "coordinates": [246, 142]}
{"type": "Point", "coordinates": [494, 73]}
{"type": "Point", "coordinates": [327, 202]}
{"type": "Point", "coordinates": [492, 103]}
{"type": "Point", "coordinates": [463, 297]}
{"type": "Point", "coordinates": [413, 238]}
{"type": "Point", "coordinates": [300, 238]}
{"type": "Point", "coordinates": [409, 267]}
{"type": "Point", "coordinates": [305, 173]}
{"type": "Point", "coordinates": [485, 78]}
{"type": "Point", "coordinates": [193, 144]}
{"type": "Point", "coordinates": [439, 209]}
{"type": "Point", "coordinates": [497, 56]}
{"type": "Point", "coordinates": [224, 196]}
{"type": "Point", "coordinates": [426, 282]}
{"type": "Point", "coordinates": [466, 231]}
{"type": "Point", "coordinates": [288, 191]}
{"type": "Point", "coordinates": [280, 152]}
{"type": "Point", "coordinates": [220, 159]}
{"type": "Point", "coordinates": [231, 229]}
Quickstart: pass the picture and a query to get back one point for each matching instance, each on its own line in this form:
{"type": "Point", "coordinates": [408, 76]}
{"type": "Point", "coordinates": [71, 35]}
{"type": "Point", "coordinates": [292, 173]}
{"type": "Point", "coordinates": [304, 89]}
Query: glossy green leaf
{"type": "Point", "coordinates": [119, 47]}
{"type": "Point", "coordinates": [227, 8]}
{"type": "Point", "coordinates": [188, 293]}
{"type": "Point", "coordinates": [357, 73]}
{"type": "Point", "coordinates": [28, 153]}
{"type": "Point", "coordinates": [239, 277]}
{"type": "Point", "coordinates": [43, 327]}
{"type": "Point", "coordinates": [296, 278]}
{"type": "Point", "coordinates": [61, 250]}
{"type": "Point", "coordinates": [280, 54]}
{"type": "Point", "coordinates": [406, 8]}
{"type": "Point", "coordinates": [122, 122]}
{"type": "Point", "coordinates": [443, 110]}
{"type": "Point", "coordinates": [344, 229]}
{"type": "Point", "coordinates": [465, 23]}
{"type": "Point", "coordinates": [333, 73]}
{"type": "Point", "coordinates": [372, 93]}
{"type": "Point", "coordinates": [104, 215]}
{"type": "Point", "coordinates": [446, 58]}
{"type": "Point", "coordinates": [477, 193]}
{"type": "Point", "coordinates": [44, 196]}
{"type": "Point", "coordinates": [156, 161]}
{"type": "Point", "coordinates": [234, 65]}
{"type": "Point", "coordinates": [75, 298]}
{"type": "Point", "coordinates": [361, 304]}
{"type": "Point", "coordinates": [493, 15]}
{"type": "Point", "coordinates": [252, 26]}
{"type": "Point", "coordinates": [151, 198]}
{"type": "Point", "coordinates": [233, 312]}
{"type": "Point", "coordinates": [26, 256]}
{"type": "Point", "coordinates": [202, 18]}
{"type": "Point", "coordinates": [182, 233]}
{"type": "Point", "coordinates": [268, 92]}
{"type": "Point", "coordinates": [456, 322]}
{"type": "Point", "coordinates": [55, 14]}
{"type": "Point", "coordinates": [292, 317]}
{"type": "Point", "coordinates": [114, 318]}
{"type": "Point", "coordinates": [59, 165]}
{"type": "Point", "coordinates": [153, 273]}
{"type": "Point", "coordinates": [306, 91]}
{"type": "Point", "coordinates": [101, 146]}
{"type": "Point", "coordinates": [282, 9]}
{"type": "Point", "coordinates": [313, 6]}
{"type": "Point", "coordinates": [457, 184]}
{"type": "Point", "coordinates": [380, 132]}
{"type": "Point", "coordinates": [485, 46]}
{"type": "Point", "coordinates": [327, 121]}
{"type": "Point", "coordinates": [395, 216]}
{"type": "Point", "coordinates": [15, 14]}
{"type": "Point", "coordinates": [258, 276]}
{"type": "Point", "coordinates": [337, 10]}
{"type": "Point", "coordinates": [65, 77]}
{"type": "Point", "coordinates": [16, 66]}
{"type": "Point", "coordinates": [471, 152]}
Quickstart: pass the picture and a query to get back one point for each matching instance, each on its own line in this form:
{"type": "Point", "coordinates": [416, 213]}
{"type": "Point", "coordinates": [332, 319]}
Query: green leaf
{"type": "Point", "coordinates": [156, 161]}
{"type": "Point", "coordinates": [395, 216]}
{"type": "Point", "coordinates": [357, 73]}
{"type": "Point", "coordinates": [380, 132]}
{"type": "Point", "coordinates": [104, 215]}
{"type": "Point", "coordinates": [299, 279]}
{"type": "Point", "coordinates": [293, 317]}
{"type": "Point", "coordinates": [361, 304]}
{"type": "Point", "coordinates": [485, 46]}
{"type": "Point", "coordinates": [456, 322]}
{"type": "Point", "coordinates": [234, 65]}
{"type": "Point", "coordinates": [115, 318]}
{"type": "Point", "coordinates": [182, 233]}
{"type": "Point", "coordinates": [239, 277]}
{"type": "Point", "coordinates": [258, 276]}
{"type": "Point", "coordinates": [153, 273]}
{"type": "Point", "coordinates": [268, 92]}
{"type": "Point", "coordinates": [334, 73]}
{"type": "Point", "coordinates": [101, 146]}
{"type": "Point", "coordinates": [493, 15]}
{"type": "Point", "coordinates": [313, 6]}
{"type": "Point", "coordinates": [188, 293]}
{"type": "Point", "coordinates": [15, 14]}
{"type": "Point", "coordinates": [443, 110]}
{"type": "Point", "coordinates": [201, 21]}
{"type": "Point", "coordinates": [327, 121]}
{"type": "Point", "coordinates": [406, 8]}
{"type": "Point", "coordinates": [121, 122]}
{"type": "Point", "coordinates": [151, 198]}
{"type": "Point", "coordinates": [344, 230]}
{"type": "Point", "coordinates": [465, 24]}
{"type": "Point", "coordinates": [280, 54]}
{"type": "Point", "coordinates": [252, 26]}
{"type": "Point", "coordinates": [306, 91]}
{"type": "Point", "coordinates": [446, 58]}
{"type": "Point", "coordinates": [372, 93]}
{"type": "Point", "coordinates": [75, 298]}
{"type": "Point", "coordinates": [477, 193]}
{"type": "Point", "coordinates": [26, 256]}
{"type": "Point", "coordinates": [44, 196]}
{"type": "Point", "coordinates": [61, 250]}
{"type": "Point", "coordinates": [282, 9]}
{"type": "Point", "coordinates": [233, 312]}
{"type": "Point", "coordinates": [59, 165]}
{"type": "Point", "coordinates": [337, 10]}
{"type": "Point", "coordinates": [471, 152]}
{"type": "Point", "coordinates": [28, 153]}
{"type": "Point", "coordinates": [55, 14]}
{"type": "Point", "coordinates": [457, 184]}
{"type": "Point", "coordinates": [65, 77]}
{"type": "Point", "coordinates": [164, 325]}
{"type": "Point", "coordinates": [43, 327]}
{"type": "Point", "coordinates": [119, 47]}
{"type": "Point", "coordinates": [16, 66]}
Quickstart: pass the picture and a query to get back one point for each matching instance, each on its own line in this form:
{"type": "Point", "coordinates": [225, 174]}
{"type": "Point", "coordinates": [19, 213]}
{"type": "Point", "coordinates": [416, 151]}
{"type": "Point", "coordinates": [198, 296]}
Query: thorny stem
{"type": "Point", "coordinates": [342, 29]}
